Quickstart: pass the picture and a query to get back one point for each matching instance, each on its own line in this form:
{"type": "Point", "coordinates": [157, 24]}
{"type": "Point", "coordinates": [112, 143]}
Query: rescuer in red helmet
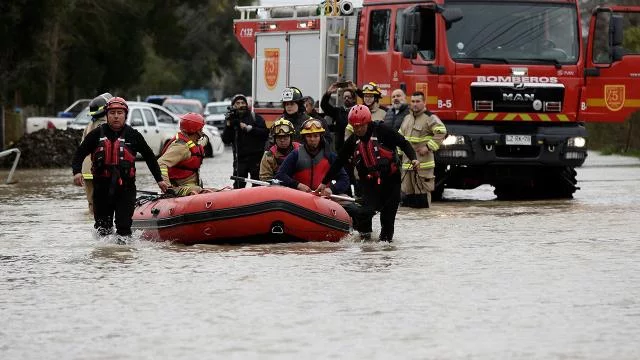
{"type": "Point", "coordinates": [114, 146]}
{"type": "Point", "coordinates": [182, 157]}
{"type": "Point", "coordinates": [372, 150]}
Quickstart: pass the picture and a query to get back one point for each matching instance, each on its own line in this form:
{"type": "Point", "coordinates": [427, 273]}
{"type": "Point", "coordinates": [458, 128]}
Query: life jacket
{"type": "Point", "coordinates": [113, 159]}
{"type": "Point", "coordinates": [190, 166]}
{"type": "Point", "coordinates": [311, 170]}
{"type": "Point", "coordinates": [279, 156]}
{"type": "Point", "coordinates": [374, 160]}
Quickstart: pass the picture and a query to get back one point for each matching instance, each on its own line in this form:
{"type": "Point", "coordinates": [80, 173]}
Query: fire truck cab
{"type": "Point", "coordinates": [513, 81]}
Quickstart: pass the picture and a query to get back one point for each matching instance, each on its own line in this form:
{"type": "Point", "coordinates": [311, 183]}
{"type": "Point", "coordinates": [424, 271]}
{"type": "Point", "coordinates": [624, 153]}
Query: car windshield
{"type": "Point", "coordinates": [515, 33]}
{"type": "Point", "coordinates": [216, 109]}
{"type": "Point", "coordinates": [183, 108]}
{"type": "Point", "coordinates": [83, 118]}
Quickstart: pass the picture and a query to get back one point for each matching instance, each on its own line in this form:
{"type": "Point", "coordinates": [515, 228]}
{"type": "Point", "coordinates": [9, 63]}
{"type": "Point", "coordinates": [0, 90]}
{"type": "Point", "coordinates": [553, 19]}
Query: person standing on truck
{"type": "Point", "coordinates": [282, 132]}
{"type": "Point", "coordinates": [114, 146]}
{"type": "Point", "coordinates": [247, 133]}
{"type": "Point", "coordinates": [98, 117]}
{"type": "Point", "coordinates": [181, 158]}
{"type": "Point", "coordinates": [373, 150]}
{"type": "Point", "coordinates": [304, 168]}
{"type": "Point", "coordinates": [425, 131]}
{"type": "Point", "coordinates": [339, 113]}
{"type": "Point", "coordinates": [399, 109]}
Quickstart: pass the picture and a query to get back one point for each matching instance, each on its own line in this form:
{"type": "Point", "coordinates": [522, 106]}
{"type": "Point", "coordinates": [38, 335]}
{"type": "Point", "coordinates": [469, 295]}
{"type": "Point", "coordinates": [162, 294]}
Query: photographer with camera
{"type": "Point", "coordinates": [247, 133]}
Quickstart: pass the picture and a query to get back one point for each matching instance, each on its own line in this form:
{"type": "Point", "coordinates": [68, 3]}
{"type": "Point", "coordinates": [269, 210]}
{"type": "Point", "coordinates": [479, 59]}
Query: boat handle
{"type": "Point", "coordinates": [208, 204]}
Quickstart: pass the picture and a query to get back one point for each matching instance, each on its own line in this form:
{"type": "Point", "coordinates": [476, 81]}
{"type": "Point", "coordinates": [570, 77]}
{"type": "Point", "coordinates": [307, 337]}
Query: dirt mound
{"type": "Point", "coordinates": [46, 148]}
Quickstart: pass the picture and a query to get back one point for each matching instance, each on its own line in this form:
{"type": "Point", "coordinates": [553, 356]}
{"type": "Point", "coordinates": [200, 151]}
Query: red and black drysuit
{"type": "Point", "coordinates": [113, 157]}
{"type": "Point", "coordinates": [375, 158]}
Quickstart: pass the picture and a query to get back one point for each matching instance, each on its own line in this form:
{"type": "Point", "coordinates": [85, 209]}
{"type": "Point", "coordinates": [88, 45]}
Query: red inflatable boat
{"type": "Point", "coordinates": [251, 215]}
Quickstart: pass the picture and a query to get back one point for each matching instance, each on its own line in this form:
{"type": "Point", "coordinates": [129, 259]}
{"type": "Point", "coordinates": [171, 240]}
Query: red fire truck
{"type": "Point", "coordinates": [513, 81]}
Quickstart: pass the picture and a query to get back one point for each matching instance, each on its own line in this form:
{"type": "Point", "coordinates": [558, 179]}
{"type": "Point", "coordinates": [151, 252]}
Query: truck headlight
{"type": "Point", "coordinates": [577, 141]}
{"type": "Point", "coordinates": [453, 140]}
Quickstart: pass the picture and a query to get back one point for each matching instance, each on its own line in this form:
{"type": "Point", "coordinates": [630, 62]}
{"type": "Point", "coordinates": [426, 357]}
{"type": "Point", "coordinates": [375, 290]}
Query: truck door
{"type": "Point", "coordinates": [420, 69]}
{"type": "Point", "coordinates": [375, 60]}
{"type": "Point", "coordinates": [304, 62]}
{"type": "Point", "coordinates": [612, 65]}
{"type": "Point", "coordinates": [270, 68]}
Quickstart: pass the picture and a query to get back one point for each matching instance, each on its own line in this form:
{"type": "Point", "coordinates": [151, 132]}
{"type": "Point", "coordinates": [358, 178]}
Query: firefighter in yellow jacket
{"type": "Point", "coordinates": [182, 157]}
{"type": "Point", "coordinates": [98, 117]}
{"type": "Point", "coordinates": [425, 131]}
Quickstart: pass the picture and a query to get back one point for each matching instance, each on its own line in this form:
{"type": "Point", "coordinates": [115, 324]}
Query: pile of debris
{"type": "Point", "coordinates": [46, 148]}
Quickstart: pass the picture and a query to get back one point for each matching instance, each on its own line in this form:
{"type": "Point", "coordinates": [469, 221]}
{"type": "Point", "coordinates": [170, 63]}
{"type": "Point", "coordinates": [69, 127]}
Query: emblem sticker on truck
{"type": "Point", "coordinates": [614, 97]}
{"type": "Point", "coordinates": [271, 65]}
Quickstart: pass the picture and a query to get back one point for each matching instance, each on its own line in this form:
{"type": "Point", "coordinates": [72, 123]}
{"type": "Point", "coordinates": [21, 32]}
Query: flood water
{"type": "Point", "coordinates": [471, 278]}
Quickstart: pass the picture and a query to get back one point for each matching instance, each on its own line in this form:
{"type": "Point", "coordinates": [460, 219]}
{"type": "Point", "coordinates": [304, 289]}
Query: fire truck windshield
{"type": "Point", "coordinates": [514, 33]}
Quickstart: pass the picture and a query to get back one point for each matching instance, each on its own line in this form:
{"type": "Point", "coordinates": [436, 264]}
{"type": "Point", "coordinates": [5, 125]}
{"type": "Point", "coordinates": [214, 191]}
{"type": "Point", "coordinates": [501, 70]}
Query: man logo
{"type": "Point", "coordinates": [518, 97]}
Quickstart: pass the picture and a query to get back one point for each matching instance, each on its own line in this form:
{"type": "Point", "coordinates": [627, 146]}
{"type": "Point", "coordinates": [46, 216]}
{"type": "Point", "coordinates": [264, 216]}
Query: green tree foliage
{"type": "Point", "coordinates": [20, 20]}
{"type": "Point", "coordinates": [54, 51]}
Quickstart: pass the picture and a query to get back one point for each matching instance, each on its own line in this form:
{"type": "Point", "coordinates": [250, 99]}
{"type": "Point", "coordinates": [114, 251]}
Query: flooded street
{"type": "Point", "coordinates": [471, 278]}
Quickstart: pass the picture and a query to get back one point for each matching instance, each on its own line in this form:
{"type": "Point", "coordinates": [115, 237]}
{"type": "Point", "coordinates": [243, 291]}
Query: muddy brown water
{"type": "Point", "coordinates": [471, 278]}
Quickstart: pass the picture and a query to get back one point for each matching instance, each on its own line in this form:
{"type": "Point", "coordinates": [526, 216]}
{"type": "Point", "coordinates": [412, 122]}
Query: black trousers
{"type": "Point", "coordinates": [244, 168]}
{"type": "Point", "coordinates": [384, 198]}
{"type": "Point", "coordinates": [119, 201]}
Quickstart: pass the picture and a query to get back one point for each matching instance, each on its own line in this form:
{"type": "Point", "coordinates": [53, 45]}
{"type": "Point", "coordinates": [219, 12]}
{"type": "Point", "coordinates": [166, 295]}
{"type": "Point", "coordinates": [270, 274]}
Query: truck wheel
{"type": "Point", "coordinates": [208, 150]}
{"type": "Point", "coordinates": [440, 173]}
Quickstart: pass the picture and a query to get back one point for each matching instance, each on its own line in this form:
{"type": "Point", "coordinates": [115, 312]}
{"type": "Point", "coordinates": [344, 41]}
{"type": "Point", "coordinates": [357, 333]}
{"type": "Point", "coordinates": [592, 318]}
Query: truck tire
{"type": "Point", "coordinates": [208, 150]}
{"type": "Point", "coordinates": [440, 173]}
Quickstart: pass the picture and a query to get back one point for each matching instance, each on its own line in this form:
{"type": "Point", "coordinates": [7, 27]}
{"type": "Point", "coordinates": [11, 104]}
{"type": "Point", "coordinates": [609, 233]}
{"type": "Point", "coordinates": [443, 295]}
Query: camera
{"type": "Point", "coordinates": [231, 112]}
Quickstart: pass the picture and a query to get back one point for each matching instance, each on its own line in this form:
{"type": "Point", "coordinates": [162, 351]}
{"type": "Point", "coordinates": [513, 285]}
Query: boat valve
{"type": "Point", "coordinates": [277, 228]}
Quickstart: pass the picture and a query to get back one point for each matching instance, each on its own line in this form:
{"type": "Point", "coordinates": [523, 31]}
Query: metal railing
{"type": "Point", "coordinates": [15, 162]}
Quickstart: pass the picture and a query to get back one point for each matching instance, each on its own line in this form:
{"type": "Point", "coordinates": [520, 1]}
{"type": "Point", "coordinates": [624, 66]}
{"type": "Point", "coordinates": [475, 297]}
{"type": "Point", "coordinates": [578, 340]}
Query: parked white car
{"type": "Point", "coordinates": [36, 123]}
{"type": "Point", "coordinates": [214, 113]}
{"type": "Point", "coordinates": [158, 126]}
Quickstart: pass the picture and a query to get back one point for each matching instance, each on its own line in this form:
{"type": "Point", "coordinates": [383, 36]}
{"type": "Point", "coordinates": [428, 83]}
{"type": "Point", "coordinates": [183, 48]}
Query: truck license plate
{"type": "Point", "coordinates": [517, 139]}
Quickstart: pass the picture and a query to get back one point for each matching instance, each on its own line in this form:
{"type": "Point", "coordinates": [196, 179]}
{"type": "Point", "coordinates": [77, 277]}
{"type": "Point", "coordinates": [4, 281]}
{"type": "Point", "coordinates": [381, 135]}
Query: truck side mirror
{"type": "Point", "coordinates": [409, 51]}
{"type": "Point", "coordinates": [616, 37]}
{"type": "Point", "coordinates": [451, 15]}
{"type": "Point", "coordinates": [616, 31]}
{"type": "Point", "coordinates": [412, 28]}
{"type": "Point", "coordinates": [617, 53]}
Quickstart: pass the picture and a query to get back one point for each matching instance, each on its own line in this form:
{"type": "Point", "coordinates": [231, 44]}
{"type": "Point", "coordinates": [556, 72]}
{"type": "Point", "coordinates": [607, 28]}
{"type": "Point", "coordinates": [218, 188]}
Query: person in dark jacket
{"type": "Point", "coordinates": [399, 109]}
{"type": "Point", "coordinates": [114, 146]}
{"type": "Point", "coordinates": [304, 167]}
{"type": "Point", "coordinates": [310, 109]}
{"type": "Point", "coordinates": [247, 133]}
{"type": "Point", "coordinates": [339, 113]}
{"type": "Point", "coordinates": [373, 150]}
{"type": "Point", "coordinates": [293, 107]}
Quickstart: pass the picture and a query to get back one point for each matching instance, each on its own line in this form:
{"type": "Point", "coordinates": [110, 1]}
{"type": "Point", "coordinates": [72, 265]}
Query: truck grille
{"type": "Point", "coordinates": [517, 97]}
